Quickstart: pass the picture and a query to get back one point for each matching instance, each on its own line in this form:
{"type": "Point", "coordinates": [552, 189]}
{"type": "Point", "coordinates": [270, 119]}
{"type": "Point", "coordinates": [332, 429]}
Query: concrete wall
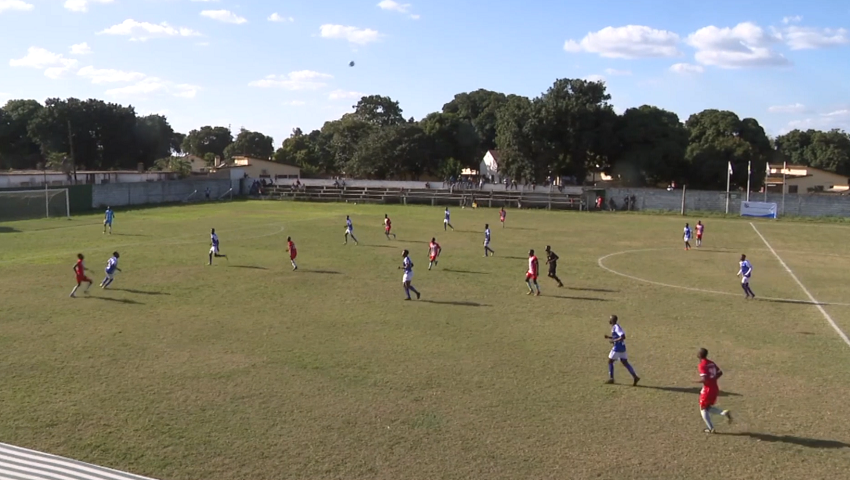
{"type": "Point", "coordinates": [806, 205]}
{"type": "Point", "coordinates": [141, 193]}
{"type": "Point", "coordinates": [35, 179]}
{"type": "Point", "coordinates": [434, 185]}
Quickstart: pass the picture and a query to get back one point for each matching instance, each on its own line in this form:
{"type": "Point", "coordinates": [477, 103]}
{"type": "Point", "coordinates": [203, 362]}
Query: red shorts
{"type": "Point", "coordinates": [699, 236]}
{"type": "Point", "coordinates": [293, 254]}
{"type": "Point", "coordinates": [707, 398]}
{"type": "Point", "coordinates": [433, 257]}
{"type": "Point", "coordinates": [387, 229]}
{"type": "Point", "coordinates": [83, 278]}
{"type": "Point", "coordinates": [502, 219]}
{"type": "Point", "coordinates": [530, 276]}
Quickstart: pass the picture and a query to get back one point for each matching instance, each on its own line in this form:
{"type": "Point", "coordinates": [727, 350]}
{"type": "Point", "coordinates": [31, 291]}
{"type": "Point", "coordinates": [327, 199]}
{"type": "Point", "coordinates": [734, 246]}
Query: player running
{"type": "Point", "coordinates": [709, 373]}
{"type": "Point", "coordinates": [291, 250]}
{"type": "Point", "coordinates": [700, 227]}
{"type": "Point", "coordinates": [214, 252]}
{"type": "Point", "coordinates": [111, 268]}
{"type": "Point", "coordinates": [687, 237]}
{"type": "Point", "coordinates": [407, 266]}
{"type": "Point", "coordinates": [552, 261]}
{"type": "Point", "coordinates": [618, 351]}
{"type": "Point", "coordinates": [434, 251]}
{"type": "Point", "coordinates": [487, 249]}
{"type": "Point", "coordinates": [531, 274]}
{"type": "Point", "coordinates": [349, 230]}
{"type": "Point", "coordinates": [447, 220]}
{"type": "Point", "coordinates": [388, 225]}
{"type": "Point", "coordinates": [745, 272]}
{"type": "Point", "coordinates": [80, 273]}
{"type": "Point", "coordinates": [107, 220]}
{"type": "Point", "coordinates": [502, 214]}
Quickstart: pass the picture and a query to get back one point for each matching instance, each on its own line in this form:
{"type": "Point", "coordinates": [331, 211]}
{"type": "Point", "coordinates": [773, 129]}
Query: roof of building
{"type": "Point", "coordinates": [253, 159]}
{"type": "Point", "coordinates": [79, 172]}
{"type": "Point", "coordinates": [494, 154]}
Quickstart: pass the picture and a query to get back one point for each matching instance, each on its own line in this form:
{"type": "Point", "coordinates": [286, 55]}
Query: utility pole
{"type": "Point", "coordinates": [71, 148]}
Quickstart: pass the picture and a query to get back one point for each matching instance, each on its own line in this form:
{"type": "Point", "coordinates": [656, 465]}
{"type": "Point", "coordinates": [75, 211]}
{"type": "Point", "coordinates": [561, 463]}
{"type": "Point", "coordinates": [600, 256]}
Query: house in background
{"type": "Point", "coordinates": [268, 170]}
{"type": "Point", "coordinates": [489, 167]}
{"type": "Point", "coordinates": [803, 179]}
{"type": "Point", "coordinates": [198, 164]}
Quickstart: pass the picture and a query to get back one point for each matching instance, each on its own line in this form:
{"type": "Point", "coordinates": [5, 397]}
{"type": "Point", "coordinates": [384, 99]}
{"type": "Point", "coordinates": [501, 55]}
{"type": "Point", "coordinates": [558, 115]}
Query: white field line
{"type": "Point", "coordinates": [803, 287]}
{"type": "Point", "coordinates": [23, 464]}
{"type": "Point", "coordinates": [601, 263]}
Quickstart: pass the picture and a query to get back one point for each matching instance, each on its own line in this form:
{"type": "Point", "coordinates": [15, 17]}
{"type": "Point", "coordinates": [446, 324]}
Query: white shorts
{"type": "Point", "coordinates": [445, 220]}
{"type": "Point", "coordinates": [486, 243]}
{"type": "Point", "coordinates": [687, 239]}
{"type": "Point", "coordinates": [213, 249]}
{"type": "Point", "coordinates": [348, 231]}
{"type": "Point", "coordinates": [618, 355]}
{"type": "Point", "coordinates": [745, 280]}
{"type": "Point", "coordinates": [408, 276]}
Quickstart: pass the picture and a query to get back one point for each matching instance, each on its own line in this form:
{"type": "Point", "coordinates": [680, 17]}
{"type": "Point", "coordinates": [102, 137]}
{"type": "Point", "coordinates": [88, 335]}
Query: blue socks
{"type": "Point", "coordinates": [611, 371]}
{"type": "Point", "coordinates": [631, 370]}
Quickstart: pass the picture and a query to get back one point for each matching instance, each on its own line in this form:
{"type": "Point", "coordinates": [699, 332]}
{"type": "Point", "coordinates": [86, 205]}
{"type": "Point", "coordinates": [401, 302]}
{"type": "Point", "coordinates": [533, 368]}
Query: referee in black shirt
{"type": "Point", "coordinates": [552, 261]}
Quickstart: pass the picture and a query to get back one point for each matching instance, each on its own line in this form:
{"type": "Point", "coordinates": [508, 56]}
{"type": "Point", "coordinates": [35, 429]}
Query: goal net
{"type": "Point", "coordinates": [28, 204]}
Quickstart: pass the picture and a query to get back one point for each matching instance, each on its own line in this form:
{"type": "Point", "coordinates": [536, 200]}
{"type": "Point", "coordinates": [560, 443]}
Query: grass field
{"type": "Point", "coordinates": [247, 370]}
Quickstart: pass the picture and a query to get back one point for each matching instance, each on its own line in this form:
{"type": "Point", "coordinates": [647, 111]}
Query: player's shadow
{"type": "Point", "coordinates": [380, 246]}
{"type": "Point", "coordinates": [790, 440]}
{"type": "Point", "coordinates": [455, 303]}
{"type": "Point", "coordinates": [792, 302]}
{"type": "Point", "coordinates": [8, 230]}
{"type": "Point", "coordinates": [131, 235]}
{"type": "Point", "coordinates": [519, 228]}
{"type": "Point", "coordinates": [600, 290]}
{"type": "Point", "coordinates": [586, 299]}
{"type": "Point", "coordinates": [138, 292]}
{"type": "Point", "coordinates": [250, 267]}
{"type": "Point", "coordinates": [126, 301]}
{"type": "Point", "coordinates": [322, 272]}
{"type": "Point", "coordinates": [517, 258]}
{"type": "Point", "coordinates": [691, 390]}
{"type": "Point", "coordinates": [465, 271]}
{"type": "Point", "coordinates": [416, 241]}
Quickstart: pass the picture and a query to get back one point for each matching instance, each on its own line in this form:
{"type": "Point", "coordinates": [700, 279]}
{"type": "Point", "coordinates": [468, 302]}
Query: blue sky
{"type": "Point", "coordinates": [230, 62]}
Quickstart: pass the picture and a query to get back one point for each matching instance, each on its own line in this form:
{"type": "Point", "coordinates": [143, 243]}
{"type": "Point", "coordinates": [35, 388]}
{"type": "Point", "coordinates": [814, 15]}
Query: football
{"type": "Point", "coordinates": [351, 64]}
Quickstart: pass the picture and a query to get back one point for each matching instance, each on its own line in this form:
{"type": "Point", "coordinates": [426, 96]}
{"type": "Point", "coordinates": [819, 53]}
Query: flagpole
{"type": "Point", "coordinates": [749, 174]}
{"type": "Point", "coordinates": [766, 172]}
{"type": "Point", "coordinates": [728, 177]}
{"type": "Point", "coordinates": [784, 187]}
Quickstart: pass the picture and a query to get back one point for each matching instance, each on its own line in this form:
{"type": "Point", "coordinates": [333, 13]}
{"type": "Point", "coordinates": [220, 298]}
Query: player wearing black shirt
{"type": "Point", "coordinates": [552, 261]}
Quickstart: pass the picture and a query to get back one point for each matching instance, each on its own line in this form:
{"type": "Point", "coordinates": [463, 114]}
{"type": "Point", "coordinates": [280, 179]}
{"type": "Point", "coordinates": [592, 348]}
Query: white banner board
{"type": "Point", "coordinates": [758, 209]}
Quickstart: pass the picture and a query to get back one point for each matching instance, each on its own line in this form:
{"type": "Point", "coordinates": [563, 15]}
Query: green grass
{"type": "Point", "coordinates": [247, 370]}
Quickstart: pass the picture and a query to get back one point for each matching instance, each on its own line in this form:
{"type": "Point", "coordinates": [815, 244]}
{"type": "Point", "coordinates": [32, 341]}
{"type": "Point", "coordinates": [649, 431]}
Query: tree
{"type": "Point", "coordinates": [717, 138]}
{"type": "Point", "coordinates": [379, 111]}
{"type": "Point", "coordinates": [481, 109]}
{"type": "Point", "coordinates": [173, 164]}
{"type": "Point", "coordinates": [339, 141]}
{"type": "Point", "coordinates": [301, 150]}
{"type": "Point", "coordinates": [392, 152]}
{"type": "Point", "coordinates": [250, 144]}
{"type": "Point", "coordinates": [515, 125]}
{"type": "Point", "coordinates": [652, 143]}
{"type": "Point", "coordinates": [154, 138]}
{"type": "Point", "coordinates": [451, 136]}
{"type": "Point", "coordinates": [825, 150]}
{"type": "Point", "coordinates": [17, 149]}
{"type": "Point", "coordinates": [206, 140]}
{"type": "Point", "coordinates": [177, 142]}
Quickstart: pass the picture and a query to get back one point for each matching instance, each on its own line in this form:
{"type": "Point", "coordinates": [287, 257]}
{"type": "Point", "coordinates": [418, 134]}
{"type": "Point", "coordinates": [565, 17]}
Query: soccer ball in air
{"type": "Point", "coordinates": [351, 64]}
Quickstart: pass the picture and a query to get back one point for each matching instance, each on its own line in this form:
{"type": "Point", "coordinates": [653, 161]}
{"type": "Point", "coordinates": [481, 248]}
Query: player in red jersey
{"type": "Point", "coordinates": [709, 373]}
{"type": "Point", "coordinates": [502, 214]}
{"type": "Point", "coordinates": [434, 250]}
{"type": "Point", "coordinates": [531, 274]}
{"type": "Point", "coordinates": [293, 252]}
{"type": "Point", "coordinates": [80, 272]}
{"type": "Point", "coordinates": [388, 225]}
{"type": "Point", "coordinates": [700, 227]}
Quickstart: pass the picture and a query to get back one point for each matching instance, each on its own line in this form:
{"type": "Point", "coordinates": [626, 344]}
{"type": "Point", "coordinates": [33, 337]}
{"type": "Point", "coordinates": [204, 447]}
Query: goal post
{"type": "Point", "coordinates": [31, 204]}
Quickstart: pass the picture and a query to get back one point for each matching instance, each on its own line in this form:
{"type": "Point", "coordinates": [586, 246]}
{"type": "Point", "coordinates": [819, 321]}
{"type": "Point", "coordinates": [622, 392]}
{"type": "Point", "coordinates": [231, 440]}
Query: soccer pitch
{"type": "Point", "coordinates": [248, 370]}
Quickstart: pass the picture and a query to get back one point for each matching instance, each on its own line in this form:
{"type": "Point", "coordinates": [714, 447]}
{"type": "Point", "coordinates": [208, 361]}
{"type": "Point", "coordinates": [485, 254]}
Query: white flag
{"type": "Point", "coordinates": [749, 168]}
{"type": "Point", "coordinates": [730, 168]}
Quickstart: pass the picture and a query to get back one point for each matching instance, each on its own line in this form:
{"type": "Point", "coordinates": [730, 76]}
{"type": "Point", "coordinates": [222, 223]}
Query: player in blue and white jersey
{"type": "Point", "coordinates": [107, 220]}
{"type": "Point", "coordinates": [487, 249]}
{"type": "Point", "coordinates": [111, 268]}
{"type": "Point", "coordinates": [407, 266]}
{"type": "Point", "coordinates": [447, 220]}
{"type": "Point", "coordinates": [349, 230]}
{"type": "Point", "coordinates": [618, 351]}
{"type": "Point", "coordinates": [745, 272]}
{"type": "Point", "coordinates": [214, 252]}
{"type": "Point", "coordinates": [687, 236]}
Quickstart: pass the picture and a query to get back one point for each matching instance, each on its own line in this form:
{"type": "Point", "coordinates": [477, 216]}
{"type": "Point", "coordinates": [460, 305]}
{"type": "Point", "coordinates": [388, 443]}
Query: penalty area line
{"type": "Point", "coordinates": [803, 287]}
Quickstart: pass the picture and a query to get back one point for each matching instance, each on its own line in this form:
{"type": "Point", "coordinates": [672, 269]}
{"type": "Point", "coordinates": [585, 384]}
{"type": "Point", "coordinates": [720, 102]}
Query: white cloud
{"type": "Point", "coordinates": [54, 65]}
{"type": "Point", "coordinates": [792, 19]}
{"type": "Point", "coordinates": [806, 38]}
{"type": "Point", "coordinates": [225, 16]}
{"type": "Point", "coordinates": [744, 45]}
{"type": "Point", "coordinates": [80, 49]}
{"type": "Point", "coordinates": [631, 41]}
{"type": "Point", "coordinates": [825, 121]}
{"type": "Point", "coordinates": [295, 103]}
{"type": "Point", "coordinates": [838, 113]}
{"type": "Point", "coordinates": [595, 78]}
{"type": "Point", "coordinates": [359, 36]}
{"type": "Point", "coordinates": [612, 71]}
{"type": "Point", "coordinates": [276, 17]}
{"type": "Point", "coordinates": [82, 5]}
{"type": "Point", "coordinates": [101, 76]}
{"type": "Point", "coordinates": [395, 6]}
{"type": "Point", "coordinates": [142, 31]}
{"type": "Point", "coordinates": [15, 6]}
{"type": "Point", "coordinates": [342, 94]}
{"type": "Point", "coordinates": [794, 108]}
{"type": "Point", "coordinates": [154, 85]}
{"type": "Point", "coordinates": [300, 80]}
{"type": "Point", "coordinates": [686, 68]}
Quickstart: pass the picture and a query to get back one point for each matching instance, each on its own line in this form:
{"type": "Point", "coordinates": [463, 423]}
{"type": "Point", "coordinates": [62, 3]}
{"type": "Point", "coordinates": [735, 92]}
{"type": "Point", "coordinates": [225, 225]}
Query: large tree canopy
{"type": "Point", "coordinates": [569, 130]}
